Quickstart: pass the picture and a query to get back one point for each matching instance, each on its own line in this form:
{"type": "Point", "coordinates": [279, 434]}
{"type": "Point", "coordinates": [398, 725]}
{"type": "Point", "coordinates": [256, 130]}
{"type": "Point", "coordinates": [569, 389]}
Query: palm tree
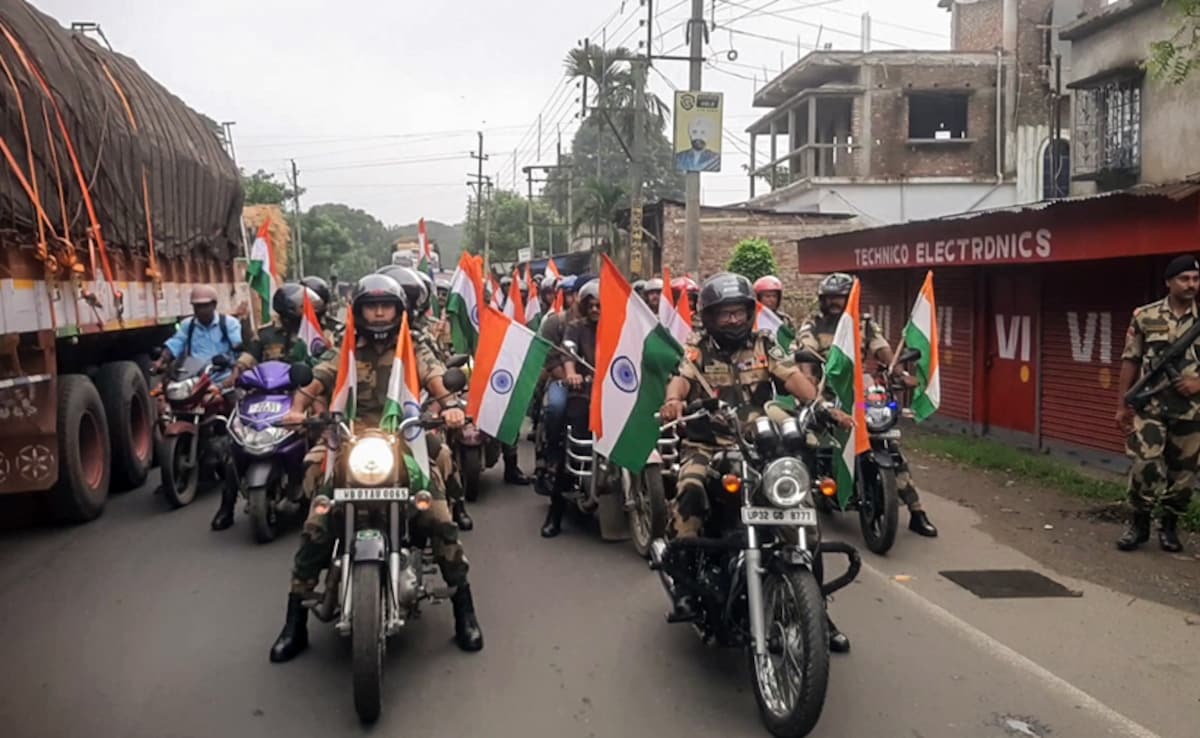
{"type": "Point", "coordinates": [598, 207]}
{"type": "Point", "coordinates": [609, 70]}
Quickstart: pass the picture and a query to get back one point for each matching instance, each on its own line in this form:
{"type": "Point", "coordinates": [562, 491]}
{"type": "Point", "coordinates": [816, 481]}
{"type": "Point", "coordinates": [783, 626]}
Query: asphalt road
{"type": "Point", "coordinates": [145, 623]}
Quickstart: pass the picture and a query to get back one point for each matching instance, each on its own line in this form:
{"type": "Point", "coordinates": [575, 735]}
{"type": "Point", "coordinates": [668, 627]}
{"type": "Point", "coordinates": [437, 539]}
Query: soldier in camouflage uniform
{"type": "Point", "coordinates": [742, 366]}
{"type": "Point", "coordinates": [377, 304]}
{"type": "Point", "coordinates": [1162, 438]}
{"type": "Point", "coordinates": [816, 335]}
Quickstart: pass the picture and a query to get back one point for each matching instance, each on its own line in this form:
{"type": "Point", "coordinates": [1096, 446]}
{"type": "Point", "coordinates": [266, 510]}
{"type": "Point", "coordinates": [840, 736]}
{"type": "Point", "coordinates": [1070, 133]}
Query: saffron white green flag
{"type": "Point", "coordinates": [463, 304]}
{"type": "Point", "coordinates": [403, 393]}
{"type": "Point", "coordinates": [843, 375]}
{"type": "Point", "coordinates": [921, 334]}
{"type": "Point", "coordinates": [504, 378]}
{"type": "Point", "coordinates": [768, 320]}
{"type": "Point", "coordinates": [678, 325]}
{"type": "Point", "coordinates": [635, 358]}
{"type": "Point", "coordinates": [261, 272]}
{"type": "Point", "coordinates": [312, 338]}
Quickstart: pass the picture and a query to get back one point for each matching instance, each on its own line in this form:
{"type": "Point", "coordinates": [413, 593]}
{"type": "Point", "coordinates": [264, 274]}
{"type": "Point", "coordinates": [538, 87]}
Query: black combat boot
{"type": "Point", "coordinates": [920, 524]}
{"type": "Point", "coordinates": [466, 627]}
{"type": "Point", "coordinates": [838, 642]}
{"type": "Point", "coordinates": [294, 637]}
{"type": "Point", "coordinates": [224, 517]}
{"type": "Point", "coordinates": [1136, 533]}
{"type": "Point", "coordinates": [461, 517]}
{"type": "Point", "coordinates": [512, 472]}
{"type": "Point", "coordinates": [1168, 539]}
{"type": "Point", "coordinates": [553, 524]}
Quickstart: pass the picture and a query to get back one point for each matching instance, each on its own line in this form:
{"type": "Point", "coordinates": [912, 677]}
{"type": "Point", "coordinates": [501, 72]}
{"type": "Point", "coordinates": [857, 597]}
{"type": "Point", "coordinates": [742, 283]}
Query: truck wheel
{"type": "Point", "coordinates": [127, 404]}
{"type": "Point", "coordinates": [84, 452]}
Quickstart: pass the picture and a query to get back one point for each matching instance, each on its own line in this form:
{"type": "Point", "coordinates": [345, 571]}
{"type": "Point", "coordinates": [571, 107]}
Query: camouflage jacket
{"type": "Point", "coordinates": [374, 365]}
{"type": "Point", "coordinates": [1152, 330]}
{"type": "Point", "coordinates": [817, 335]}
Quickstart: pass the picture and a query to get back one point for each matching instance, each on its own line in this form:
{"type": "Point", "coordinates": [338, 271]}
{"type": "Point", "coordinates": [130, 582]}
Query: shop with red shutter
{"type": "Point", "coordinates": [1032, 304]}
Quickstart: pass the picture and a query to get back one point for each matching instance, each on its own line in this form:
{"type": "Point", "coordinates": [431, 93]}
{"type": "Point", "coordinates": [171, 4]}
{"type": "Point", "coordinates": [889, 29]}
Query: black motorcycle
{"type": "Point", "coordinates": [752, 579]}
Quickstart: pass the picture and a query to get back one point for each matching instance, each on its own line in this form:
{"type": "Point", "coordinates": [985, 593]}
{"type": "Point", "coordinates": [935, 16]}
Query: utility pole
{"type": "Point", "coordinates": [299, 230]}
{"type": "Point", "coordinates": [631, 257]}
{"type": "Point", "coordinates": [691, 250]}
{"type": "Point", "coordinates": [487, 227]}
{"type": "Point", "coordinates": [479, 158]}
{"type": "Point", "coordinates": [529, 207]}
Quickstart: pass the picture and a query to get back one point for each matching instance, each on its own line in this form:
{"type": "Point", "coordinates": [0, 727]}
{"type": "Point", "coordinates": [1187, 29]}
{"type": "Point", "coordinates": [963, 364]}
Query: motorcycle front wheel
{"type": "Point", "coordinates": [366, 623]}
{"type": "Point", "coordinates": [648, 515]}
{"type": "Point", "coordinates": [878, 507]}
{"type": "Point", "coordinates": [791, 679]}
{"type": "Point", "coordinates": [264, 518]}
{"type": "Point", "coordinates": [180, 469]}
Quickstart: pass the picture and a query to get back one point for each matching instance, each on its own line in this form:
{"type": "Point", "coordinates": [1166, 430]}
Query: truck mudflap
{"type": "Point", "coordinates": [28, 434]}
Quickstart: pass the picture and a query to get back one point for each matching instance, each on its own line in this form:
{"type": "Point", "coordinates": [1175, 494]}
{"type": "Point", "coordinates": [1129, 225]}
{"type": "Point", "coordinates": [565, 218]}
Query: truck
{"type": "Point", "coordinates": [116, 199]}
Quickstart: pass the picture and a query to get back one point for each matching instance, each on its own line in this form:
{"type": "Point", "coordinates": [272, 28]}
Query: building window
{"type": "Point", "coordinates": [937, 116]}
{"type": "Point", "coordinates": [1108, 127]}
{"type": "Point", "coordinates": [1056, 169]}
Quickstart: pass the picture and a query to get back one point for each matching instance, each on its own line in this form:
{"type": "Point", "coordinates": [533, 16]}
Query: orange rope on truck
{"type": "Point", "coordinates": [34, 195]}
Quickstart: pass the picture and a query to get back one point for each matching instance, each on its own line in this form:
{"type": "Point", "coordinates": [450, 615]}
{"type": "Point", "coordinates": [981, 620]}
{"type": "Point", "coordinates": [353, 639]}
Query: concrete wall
{"type": "Point", "coordinates": [1170, 143]}
{"type": "Point", "coordinates": [894, 202]}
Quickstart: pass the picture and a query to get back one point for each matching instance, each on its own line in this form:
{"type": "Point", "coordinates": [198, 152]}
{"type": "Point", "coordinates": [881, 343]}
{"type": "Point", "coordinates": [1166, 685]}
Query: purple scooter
{"type": "Point", "coordinates": [270, 459]}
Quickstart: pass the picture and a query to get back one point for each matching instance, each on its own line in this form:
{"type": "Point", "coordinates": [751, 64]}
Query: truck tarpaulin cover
{"type": "Point", "coordinates": [192, 187]}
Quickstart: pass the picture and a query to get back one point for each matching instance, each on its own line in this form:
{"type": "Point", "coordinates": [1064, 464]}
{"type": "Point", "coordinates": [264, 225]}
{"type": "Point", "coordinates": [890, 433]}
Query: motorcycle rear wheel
{"type": "Point", "coordinates": [264, 519]}
{"type": "Point", "coordinates": [366, 635]}
{"type": "Point", "coordinates": [471, 459]}
{"type": "Point", "coordinates": [878, 507]}
{"type": "Point", "coordinates": [791, 680]}
{"type": "Point", "coordinates": [179, 479]}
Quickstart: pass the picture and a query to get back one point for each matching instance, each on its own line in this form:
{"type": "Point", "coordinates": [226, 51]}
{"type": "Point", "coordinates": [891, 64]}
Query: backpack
{"type": "Point", "coordinates": [224, 334]}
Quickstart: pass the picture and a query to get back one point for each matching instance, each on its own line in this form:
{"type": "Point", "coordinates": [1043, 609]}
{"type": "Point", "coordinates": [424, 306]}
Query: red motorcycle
{"type": "Point", "coordinates": [193, 414]}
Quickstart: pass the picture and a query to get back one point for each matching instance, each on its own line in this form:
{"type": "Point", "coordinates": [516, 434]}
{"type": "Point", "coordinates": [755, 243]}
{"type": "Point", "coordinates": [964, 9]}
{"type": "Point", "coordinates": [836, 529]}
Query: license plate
{"type": "Point", "coordinates": [371, 494]}
{"type": "Point", "coordinates": [797, 516]}
{"type": "Point", "coordinates": [266, 407]}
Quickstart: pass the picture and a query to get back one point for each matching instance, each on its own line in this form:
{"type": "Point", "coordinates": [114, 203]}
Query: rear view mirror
{"type": "Point", "coordinates": [909, 354]}
{"type": "Point", "coordinates": [454, 380]}
{"type": "Point", "coordinates": [300, 374]}
{"type": "Point", "coordinates": [807, 356]}
{"type": "Point", "coordinates": [220, 361]}
{"type": "Point", "coordinates": [457, 360]}
{"type": "Point", "coordinates": [318, 346]}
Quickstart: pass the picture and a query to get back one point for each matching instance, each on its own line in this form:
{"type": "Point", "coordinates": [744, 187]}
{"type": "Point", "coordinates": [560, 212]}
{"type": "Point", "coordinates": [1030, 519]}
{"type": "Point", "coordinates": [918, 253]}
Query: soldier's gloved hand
{"type": "Point", "coordinates": [454, 418]}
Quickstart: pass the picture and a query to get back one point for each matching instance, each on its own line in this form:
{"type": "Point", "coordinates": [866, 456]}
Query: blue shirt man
{"type": "Point", "coordinates": [206, 334]}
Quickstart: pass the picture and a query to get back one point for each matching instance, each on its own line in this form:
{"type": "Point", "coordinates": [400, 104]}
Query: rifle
{"type": "Point", "coordinates": [1153, 381]}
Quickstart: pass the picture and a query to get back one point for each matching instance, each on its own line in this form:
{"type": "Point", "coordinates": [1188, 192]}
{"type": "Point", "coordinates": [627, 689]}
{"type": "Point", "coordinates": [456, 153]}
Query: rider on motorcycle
{"type": "Point", "coordinates": [652, 293]}
{"type": "Point", "coordinates": [204, 335]}
{"type": "Point", "coordinates": [574, 403]}
{"type": "Point", "coordinates": [681, 286]}
{"type": "Point", "coordinates": [769, 291]}
{"type": "Point", "coordinates": [743, 367]}
{"type": "Point", "coordinates": [817, 334]}
{"type": "Point", "coordinates": [554, 392]}
{"type": "Point", "coordinates": [377, 303]}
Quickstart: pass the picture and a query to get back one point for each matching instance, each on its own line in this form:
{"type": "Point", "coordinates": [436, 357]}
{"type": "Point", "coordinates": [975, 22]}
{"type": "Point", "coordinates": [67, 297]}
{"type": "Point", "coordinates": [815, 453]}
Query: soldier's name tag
{"type": "Point", "coordinates": [717, 369]}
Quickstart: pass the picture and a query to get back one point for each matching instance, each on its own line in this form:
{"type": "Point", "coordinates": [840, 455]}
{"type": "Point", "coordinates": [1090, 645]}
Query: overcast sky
{"type": "Point", "coordinates": [378, 101]}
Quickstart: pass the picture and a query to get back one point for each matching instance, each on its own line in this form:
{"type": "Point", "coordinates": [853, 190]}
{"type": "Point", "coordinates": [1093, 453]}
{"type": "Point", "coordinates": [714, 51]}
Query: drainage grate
{"type": "Point", "coordinates": [991, 584]}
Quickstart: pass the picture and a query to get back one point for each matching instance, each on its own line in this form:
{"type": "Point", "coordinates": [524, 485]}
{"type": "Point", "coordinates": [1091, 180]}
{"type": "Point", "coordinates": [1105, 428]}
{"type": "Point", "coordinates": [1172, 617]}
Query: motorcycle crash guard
{"type": "Point", "coordinates": [883, 458]}
{"type": "Point", "coordinates": [258, 474]}
{"type": "Point", "coordinates": [369, 545]}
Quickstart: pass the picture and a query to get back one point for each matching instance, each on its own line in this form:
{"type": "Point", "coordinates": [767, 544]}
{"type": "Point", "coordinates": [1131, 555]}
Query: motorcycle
{"type": "Point", "coordinates": [192, 418]}
{"type": "Point", "coordinates": [474, 451]}
{"type": "Point", "coordinates": [269, 458]}
{"type": "Point", "coordinates": [376, 581]}
{"type": "Point", "coordinates": [754, 574]}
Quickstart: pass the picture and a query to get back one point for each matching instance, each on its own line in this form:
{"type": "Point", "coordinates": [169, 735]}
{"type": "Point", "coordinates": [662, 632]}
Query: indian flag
{"type": "Point", "coordinates": [514, 307]}
{"type": "Point", "coordinates": [497, 293]}
{"type": "Point", "coordinates": [345, 400]}
{"type": "Point", "coordinates": [312, 338]}
{"type": "Point", "coordinates": [464, 303]}
{"type": "Point", "coordinates": [768, 320]}
{"type": "Point", "coordinates": [843, 375]}
{"type": "Point", "coordinates": [533, 309]}
{"type": "Point", "coordinates": [505, 376]}
{"type": "Point", "coordinates": [635, 358]}
{"type": "Point", "coordinates": [551, 270]}
{"type": "Point", "coordinates": [425, 263]}
{"type": "Point", "coordinates": [261, 273]}
{"type": "Point", "coordinates": [921, 333]}
{"type": "Point", "coordinates": [404, 389]}
{"type": "Point", "coordinates": [676, 324]}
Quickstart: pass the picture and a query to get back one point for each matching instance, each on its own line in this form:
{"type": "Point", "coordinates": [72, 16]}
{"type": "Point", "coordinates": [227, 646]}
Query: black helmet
{"type": "Point", "coordinates": [505, 283]}
{"type": "Point", "coordinates": [428, 282]}
{"type": "Point", "coordinates": [321, 287]}
{"type": "Point", "coordinates": [837, 284]}
{"type": "Point", "coordinates": [372, 289]}
{"type": "Point", "coordinates": [721, 289]}
{"type": "Point", "coordinates": [288, 302]}
{"type": "Point", "coordinates": [415, 291]}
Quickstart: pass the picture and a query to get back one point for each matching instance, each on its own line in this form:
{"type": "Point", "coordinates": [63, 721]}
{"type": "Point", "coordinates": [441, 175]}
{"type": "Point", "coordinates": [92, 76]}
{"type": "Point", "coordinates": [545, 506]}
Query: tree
{"type": "Point", "coordinates": [1175, 58]}
{"type": "Point", "coordinates": [753, 258]}
{"type": "Point", "coordinates": [508, 217]}
{"type": "Point", "coordinates": [262, 189]}
{"type": "Point", "coordinates": [599, 205]}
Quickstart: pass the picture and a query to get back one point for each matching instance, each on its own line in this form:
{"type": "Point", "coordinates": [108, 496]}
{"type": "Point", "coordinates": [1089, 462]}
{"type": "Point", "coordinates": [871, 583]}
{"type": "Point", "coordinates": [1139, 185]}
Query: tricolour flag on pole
{"type": "Point", "coordinates": [403, 393]}
{"type": "Point", "coordinates": [673, 320]}
{"type": "Point", "coordinates": [345, 391]}
{"type": "Point", "coordinates": [768, 320]}
{"type": "Point", "coordinates": [635, 358]}
{"type": "Point", "coordinates": [533, 308]}
{"type": "Point", "coordinates": [312, 338]}
{"type": "Point", "coordinates": [551, 270]}
{"type": "Point", "coordinates": [497, 300]}
{"type": "Point", "coordinates": [261, 272]}
{"type": "Point", "coordinates": [425, 262]}
{"type": "Point", "coordinates": [921, 334]}
{"type": "Point", "coordinates": [505, 376]}
{"type": "Point", "coordinates": [514, 306]}
{"type": "Point", "coordinates": [843, 375]}
{"type": "Point", "coordinates": [464, 303]}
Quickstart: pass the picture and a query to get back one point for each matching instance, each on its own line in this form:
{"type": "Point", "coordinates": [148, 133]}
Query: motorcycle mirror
{"type": "Point", "coordinates": [807, 356]}
{"type": "Point", "coordinates": [300, 374]}
{"type": "Point", "coordinates": [909, 354]}
{"type": "Point", "coordinates": [454, 379]}
{"type": "Point", "coordinates": [220, 361]}
{"type": "Point", "coordinates": [156, 353]}
{"type": "Point", "coordinates": [571, 347]}
{"type": "Point", "coordinates": [457, 360]}
{"type": "Point", "coordinates": [319, 346]}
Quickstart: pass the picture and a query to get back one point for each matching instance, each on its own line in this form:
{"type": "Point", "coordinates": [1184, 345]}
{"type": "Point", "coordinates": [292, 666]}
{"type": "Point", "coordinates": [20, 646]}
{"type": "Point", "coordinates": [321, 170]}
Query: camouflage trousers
{"type": "Point", "coordinates": [317, 537]}
{"type": "Point", "coordinates": [690, 506]}
{"type": "Point", "coordinates": [1164, 455]}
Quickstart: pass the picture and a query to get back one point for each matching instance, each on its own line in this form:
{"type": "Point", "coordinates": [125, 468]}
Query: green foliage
{"type": "Point", "coordinates": [1174, 59]}
{"type": "Point", "coordinates": [508, 223]}
{"type": "Point", "coordinates": [598, 205]}
{"type": "Point", "coordinates": [263, 189]}
{"type": "Point", "coordinates": [753, 258]}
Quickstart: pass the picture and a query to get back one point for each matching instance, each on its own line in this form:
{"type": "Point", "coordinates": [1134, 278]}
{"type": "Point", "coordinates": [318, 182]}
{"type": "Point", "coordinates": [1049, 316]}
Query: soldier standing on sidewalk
{"type": "Point", "coordinates": [1163, 437]}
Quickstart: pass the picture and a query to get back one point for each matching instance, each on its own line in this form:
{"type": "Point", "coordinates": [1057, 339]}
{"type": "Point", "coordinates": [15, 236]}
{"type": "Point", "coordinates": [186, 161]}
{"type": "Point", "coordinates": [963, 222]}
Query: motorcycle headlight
{"type": "Point", "coordinates": [182, 390]}
{"type": "Point", "coordinates": [881, 417]}
{"type": "Point", "coordinates": [371, 461]}
{"type": "Point", "coordinates": [787, 483]}
{"type": "Point", "coordinates": [258, 442]}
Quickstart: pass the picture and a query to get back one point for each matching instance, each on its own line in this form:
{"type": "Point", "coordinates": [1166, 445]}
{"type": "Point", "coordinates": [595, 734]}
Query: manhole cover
{"type": "Point", "coordinates": [1001, 583]}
